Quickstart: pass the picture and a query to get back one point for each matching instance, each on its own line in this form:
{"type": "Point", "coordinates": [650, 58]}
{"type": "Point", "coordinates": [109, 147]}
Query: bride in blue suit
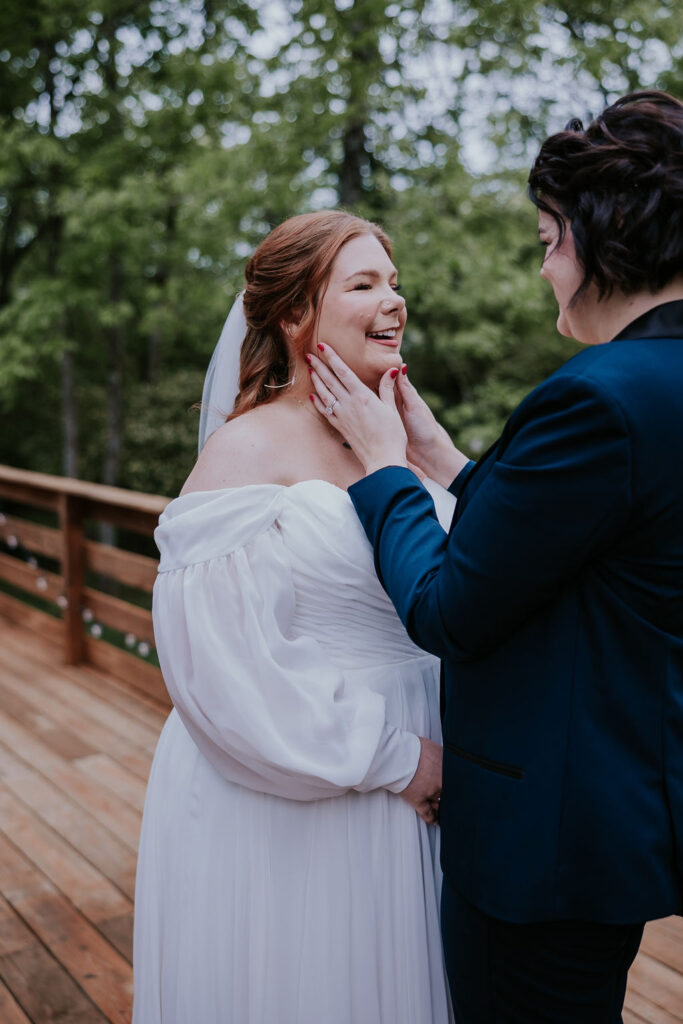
{"type": "Point", "coordinates": [556, 599]}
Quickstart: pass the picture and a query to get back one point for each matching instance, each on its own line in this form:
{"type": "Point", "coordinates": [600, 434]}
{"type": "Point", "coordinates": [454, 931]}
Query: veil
{"type": "Point", "coordinates": [221, 384]}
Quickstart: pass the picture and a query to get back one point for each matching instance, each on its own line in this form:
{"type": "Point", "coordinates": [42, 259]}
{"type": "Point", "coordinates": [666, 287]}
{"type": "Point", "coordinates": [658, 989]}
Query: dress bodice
{"type": "Point", "coordinates": [339, 598]}
{"type": "Point", "coordinates": [281, 652]}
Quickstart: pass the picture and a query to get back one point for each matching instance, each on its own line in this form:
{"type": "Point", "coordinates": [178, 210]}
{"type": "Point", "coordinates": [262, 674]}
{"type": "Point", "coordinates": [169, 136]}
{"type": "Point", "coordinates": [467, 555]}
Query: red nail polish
{"type": "Point", "coordinates": [404, 369]}
{"type": "Point", "coordinates": [321, 347]}
{"type": "Point", "coordinates": [312, 398]}
{"type": "Point", "coordinates": [310, 369]}
{"type": "Point", "coordinates": [393, 374]}
{"type": "Point", "coordinates": [307, 358]}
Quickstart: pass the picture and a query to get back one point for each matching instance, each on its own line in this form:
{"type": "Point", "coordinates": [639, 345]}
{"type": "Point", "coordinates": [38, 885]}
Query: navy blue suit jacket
{"type": "Point", "coordinates": [556, 604]}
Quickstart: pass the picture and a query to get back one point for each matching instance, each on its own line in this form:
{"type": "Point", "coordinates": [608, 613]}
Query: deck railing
{"type": "Point", "coordinates": [92, 598]}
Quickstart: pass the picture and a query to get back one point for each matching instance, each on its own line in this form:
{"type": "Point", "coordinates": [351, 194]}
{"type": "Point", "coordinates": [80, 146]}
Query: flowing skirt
{"type": "Point", "coordinates": [254, 909]}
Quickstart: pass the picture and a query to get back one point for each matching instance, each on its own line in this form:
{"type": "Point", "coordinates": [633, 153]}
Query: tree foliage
{"type": "Point", "coordinates": [148, 146]}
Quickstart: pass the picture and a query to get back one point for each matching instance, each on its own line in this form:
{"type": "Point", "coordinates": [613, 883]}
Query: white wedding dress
{"type": "Point", "coordinates": [281, 880]}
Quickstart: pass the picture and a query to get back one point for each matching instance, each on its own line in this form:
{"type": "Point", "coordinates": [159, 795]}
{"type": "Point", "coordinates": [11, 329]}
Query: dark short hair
{"type": "Point", "coordinates": [619, 183]}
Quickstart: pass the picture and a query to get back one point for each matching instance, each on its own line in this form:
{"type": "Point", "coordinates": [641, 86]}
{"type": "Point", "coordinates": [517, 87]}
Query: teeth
{"type": "Point", "coordinates": [389, 334]}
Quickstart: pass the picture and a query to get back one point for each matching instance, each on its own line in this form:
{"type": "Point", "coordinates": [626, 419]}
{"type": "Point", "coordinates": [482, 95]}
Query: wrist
{"type": "Point", "coordinates": [443, 461]}
{"type": "Point", "coordinates": [373, 465]}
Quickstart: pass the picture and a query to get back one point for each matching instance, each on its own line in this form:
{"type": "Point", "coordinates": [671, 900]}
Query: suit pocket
{"type": "Point", "coordinates": [511, 770]}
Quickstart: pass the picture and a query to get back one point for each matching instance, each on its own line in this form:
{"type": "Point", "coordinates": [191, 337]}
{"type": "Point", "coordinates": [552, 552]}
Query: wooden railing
{"type": "Point", "coordinates": [92, 598]}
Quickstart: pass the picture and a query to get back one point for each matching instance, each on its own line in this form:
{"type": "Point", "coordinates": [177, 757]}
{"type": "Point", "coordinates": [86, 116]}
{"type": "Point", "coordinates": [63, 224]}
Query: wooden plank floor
{"type": "Point", "coordinates": [75, 751]}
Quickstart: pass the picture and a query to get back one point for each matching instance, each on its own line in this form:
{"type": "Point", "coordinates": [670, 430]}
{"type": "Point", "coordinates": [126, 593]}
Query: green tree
{"type": "Point", "coordinates": [148, 147]}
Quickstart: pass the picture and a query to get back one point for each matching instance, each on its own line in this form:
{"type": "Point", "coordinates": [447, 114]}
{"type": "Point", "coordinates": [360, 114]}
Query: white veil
{"type": "Point", "coordinates": [221, 384]}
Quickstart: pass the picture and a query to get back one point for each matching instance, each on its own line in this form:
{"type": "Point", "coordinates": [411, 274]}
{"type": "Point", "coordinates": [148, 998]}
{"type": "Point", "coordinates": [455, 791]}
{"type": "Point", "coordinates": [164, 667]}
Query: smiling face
{"type": "Point", "coordinates": [362, 315]}
{"type": "Point", "coordinates": [562, 269]}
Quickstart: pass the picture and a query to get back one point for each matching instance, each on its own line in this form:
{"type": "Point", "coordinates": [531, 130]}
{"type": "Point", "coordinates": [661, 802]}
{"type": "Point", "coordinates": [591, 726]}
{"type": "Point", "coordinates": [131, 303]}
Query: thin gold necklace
{"type": "Point", "coordinates": [309, 408]}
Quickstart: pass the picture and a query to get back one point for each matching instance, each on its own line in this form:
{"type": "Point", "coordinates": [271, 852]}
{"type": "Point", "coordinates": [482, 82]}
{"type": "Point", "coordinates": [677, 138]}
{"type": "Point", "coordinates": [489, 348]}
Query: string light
{"type": "Point", "coordinates": [95, 629]}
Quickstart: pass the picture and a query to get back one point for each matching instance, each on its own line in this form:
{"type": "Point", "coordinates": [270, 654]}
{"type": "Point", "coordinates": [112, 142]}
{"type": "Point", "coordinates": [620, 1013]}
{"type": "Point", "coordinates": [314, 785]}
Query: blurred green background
{"type": "Point", "coordinates": [147, 147]}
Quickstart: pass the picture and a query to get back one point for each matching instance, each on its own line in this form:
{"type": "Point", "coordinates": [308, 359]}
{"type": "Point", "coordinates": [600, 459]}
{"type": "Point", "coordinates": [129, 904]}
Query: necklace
{"type": "Point", "coordinates": [309, 409]}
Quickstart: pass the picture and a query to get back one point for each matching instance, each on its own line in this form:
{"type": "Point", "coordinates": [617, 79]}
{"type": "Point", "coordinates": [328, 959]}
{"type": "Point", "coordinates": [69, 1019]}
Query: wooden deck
{"type": "Point", "coordinates": [75, 750]}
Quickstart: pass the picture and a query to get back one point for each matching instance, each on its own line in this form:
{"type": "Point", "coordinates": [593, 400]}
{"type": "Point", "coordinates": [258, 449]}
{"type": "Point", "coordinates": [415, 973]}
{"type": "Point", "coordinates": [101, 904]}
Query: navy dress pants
{"type": "Point", "coordinates": [552, 972]}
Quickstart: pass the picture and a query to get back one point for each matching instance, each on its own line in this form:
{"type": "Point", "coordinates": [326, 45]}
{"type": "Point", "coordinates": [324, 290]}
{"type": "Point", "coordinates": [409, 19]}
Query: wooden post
{"type": "Point", "coordinates": [71, 523]}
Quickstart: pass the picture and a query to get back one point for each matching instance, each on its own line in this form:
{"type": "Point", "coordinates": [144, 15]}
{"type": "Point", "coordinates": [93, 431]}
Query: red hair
{"type": "Point", "coordinates": [286, 279]}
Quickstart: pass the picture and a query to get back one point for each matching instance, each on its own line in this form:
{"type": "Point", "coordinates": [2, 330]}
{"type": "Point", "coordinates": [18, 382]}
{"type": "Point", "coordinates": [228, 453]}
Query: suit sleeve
{"type": "Point", "coordinates": [558, 492]}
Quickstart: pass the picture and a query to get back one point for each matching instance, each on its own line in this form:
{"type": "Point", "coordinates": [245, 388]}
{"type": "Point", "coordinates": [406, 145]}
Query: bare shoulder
{"type": "Point", "coordinates": [251, 449]}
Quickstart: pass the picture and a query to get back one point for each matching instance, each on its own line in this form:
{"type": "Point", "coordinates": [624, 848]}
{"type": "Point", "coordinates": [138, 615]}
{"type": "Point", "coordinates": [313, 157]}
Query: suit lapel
{"type": "Point", "coordinates": [468, 490]}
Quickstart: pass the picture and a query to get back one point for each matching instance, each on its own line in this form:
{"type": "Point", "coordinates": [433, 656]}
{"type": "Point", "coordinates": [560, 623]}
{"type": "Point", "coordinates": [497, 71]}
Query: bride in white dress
{"type": "Point", "coordinates": [288, 867]}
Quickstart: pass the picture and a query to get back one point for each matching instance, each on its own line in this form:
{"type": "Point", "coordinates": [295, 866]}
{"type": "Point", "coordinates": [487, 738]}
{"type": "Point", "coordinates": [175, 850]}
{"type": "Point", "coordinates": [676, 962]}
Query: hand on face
{"type": "Point", "coordinates": [360, 329]}
{"type": "Point", "coordinates": [362, 313]}
{"type": "Point", "coordinates": [369, 422]}
{"type": "Point", "coordinates": [422, 429]}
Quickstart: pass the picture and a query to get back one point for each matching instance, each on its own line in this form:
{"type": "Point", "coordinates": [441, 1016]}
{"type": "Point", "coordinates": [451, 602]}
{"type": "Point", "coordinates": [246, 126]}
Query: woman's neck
{"type": "Point", "coordinates": [618, 311]}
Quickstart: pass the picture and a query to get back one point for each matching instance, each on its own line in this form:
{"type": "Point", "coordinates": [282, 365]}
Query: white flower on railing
{"type": "Point", "coordinates": [143, 649]}
{"type": "Point", "coordinates": [41, 583]}
{"type": "Point", "coordinates": [12, 542]}
{"type": "Point", "coordinates": [130, 639]}
{"type": "Point", "coordinates": [87, 615]}
{"type": "Point", "coordinates": [96, 630]}
{"type": "Point", "coordinates": [63, 601]}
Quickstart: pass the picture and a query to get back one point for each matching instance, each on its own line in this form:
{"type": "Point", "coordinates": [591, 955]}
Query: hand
{"type": "Point", "coordinates": [429, 446]}
{"type": "Point", "coordinates": [369, 422]}
{"type": "Point", "coordinates": [423, 792]}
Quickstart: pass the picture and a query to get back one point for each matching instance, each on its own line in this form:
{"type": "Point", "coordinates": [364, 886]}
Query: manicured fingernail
{"type": "Point", "coordinates": [404, 369]}
{"type": "Point", "coordinates": [310, 369]}
{"type": "Point", "coordinates": [321, 347]}
{"type": "Point", "coordinates": [307, 358]}
{"type": "Point", "coordinates": [312, 398]}
{"type": "Point", "coordinates": [393, 373]}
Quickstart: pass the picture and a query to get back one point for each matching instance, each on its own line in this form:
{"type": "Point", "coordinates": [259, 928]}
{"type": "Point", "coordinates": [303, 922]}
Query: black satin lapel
{"type": "Point", "coordinates": [664, 321]}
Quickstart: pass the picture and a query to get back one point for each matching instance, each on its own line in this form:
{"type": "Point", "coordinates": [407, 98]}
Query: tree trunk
{"type": "Point", "coordinates": [153, 354]}
{"type": "Point", "coordinates": [353, 161]}
{"type": "Point", "coordinates": [69, 415]}
{"type": "Point", "coordinates": [160, 280]}
{"type": "Point", "coordinates": [8, 254]}
{"type": "Point", "coordinates": [114, 430]}
{"type": "Point", "coordinates": [116, 351]}
{"type": "Point", "coordinates": [355, 158]}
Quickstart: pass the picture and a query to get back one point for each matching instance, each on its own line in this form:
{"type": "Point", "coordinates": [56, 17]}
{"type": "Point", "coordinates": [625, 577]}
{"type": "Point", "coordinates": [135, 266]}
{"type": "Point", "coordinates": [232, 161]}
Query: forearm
{"type": "Point", "coordinates": [441, 460]}
{"type": "Point", "coordinates": [561, 493]}
{"type": "Point", "coordinates": [393, 508]}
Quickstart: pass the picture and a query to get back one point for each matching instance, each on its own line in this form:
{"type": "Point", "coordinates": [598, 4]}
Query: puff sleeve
{"type": "Point", "coordinates": [267, 708]}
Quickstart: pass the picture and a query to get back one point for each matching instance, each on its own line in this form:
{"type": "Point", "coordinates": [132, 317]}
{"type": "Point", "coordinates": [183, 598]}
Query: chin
{"type": "Point", "coordinates": [376, 372]}
{"type": "Point", "coordinates": [370, 372]}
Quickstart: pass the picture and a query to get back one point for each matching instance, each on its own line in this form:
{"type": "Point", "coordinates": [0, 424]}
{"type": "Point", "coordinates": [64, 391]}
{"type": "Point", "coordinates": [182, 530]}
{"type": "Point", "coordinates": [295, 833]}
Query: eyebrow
{"type": "Point", "coordinates": [369, 273]}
